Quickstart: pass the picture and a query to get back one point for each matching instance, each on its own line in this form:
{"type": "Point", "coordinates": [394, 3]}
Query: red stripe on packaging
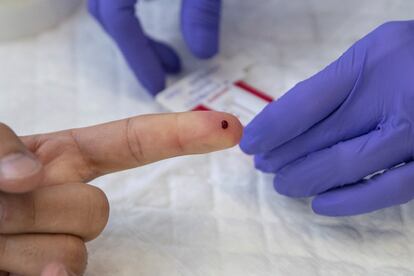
{"type": "Point", "coordinates": [201, 107]}
{"type": "Point", "coordinates": [248, 88]}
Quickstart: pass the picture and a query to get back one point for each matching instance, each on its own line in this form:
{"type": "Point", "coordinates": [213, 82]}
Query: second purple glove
{"type": "Point", "coordinates": [353, 119]}
{"type": "Point", "coordinates": [150, 60]}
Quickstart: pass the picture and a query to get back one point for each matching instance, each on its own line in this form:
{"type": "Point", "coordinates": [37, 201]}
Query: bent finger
{"type": "Point", "coordinates": [38, 251]}
{"type": "Point", "coordinates": [76, 209]}
{"type": "Point", "coordinates": [200, 24]}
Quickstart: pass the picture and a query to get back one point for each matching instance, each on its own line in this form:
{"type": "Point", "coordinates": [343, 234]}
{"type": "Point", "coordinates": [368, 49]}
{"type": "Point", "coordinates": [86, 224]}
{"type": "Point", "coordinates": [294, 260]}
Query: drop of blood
{"type": "Point", "coordinates": [224, 124]}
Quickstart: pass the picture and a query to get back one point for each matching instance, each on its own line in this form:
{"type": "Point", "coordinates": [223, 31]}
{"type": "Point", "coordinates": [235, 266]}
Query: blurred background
{"type": "Point", "coordinates": [213, 214]}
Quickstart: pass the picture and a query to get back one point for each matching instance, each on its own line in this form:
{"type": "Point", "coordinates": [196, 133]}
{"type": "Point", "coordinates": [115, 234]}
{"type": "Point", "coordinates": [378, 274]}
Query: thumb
{"type": "Point", "coordinates": [20, 171]}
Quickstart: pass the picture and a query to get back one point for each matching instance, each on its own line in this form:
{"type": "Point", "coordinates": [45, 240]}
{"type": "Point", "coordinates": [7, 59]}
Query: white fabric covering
{"type": "Point", "coordinates": [214, 214]}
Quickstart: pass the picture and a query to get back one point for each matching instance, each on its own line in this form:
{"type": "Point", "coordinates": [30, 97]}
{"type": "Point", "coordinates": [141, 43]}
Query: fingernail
{"type": "Point", "coordinates": [62, 272]}
{"type": "Point", "coordinates": [55, 270]}
{"type": "Point", "coordinates": [17, 166]}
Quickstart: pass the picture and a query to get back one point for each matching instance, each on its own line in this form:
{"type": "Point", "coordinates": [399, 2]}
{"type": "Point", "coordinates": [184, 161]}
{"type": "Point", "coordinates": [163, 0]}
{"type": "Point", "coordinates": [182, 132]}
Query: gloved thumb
{"type": "Point", "coordinates": [305, 105]}
{"type": "Point", "coordinates": [20, 170]}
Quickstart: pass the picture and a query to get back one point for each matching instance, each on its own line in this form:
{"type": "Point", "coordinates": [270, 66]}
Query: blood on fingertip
{"type": "Point", "coordinates": [224, 124]}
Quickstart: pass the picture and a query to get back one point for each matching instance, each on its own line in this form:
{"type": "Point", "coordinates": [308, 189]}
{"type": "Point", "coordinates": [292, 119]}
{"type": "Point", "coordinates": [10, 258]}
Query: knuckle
{"type": "Point", "coordinates": [177, 136]}
{"type": "Point", "coordinates": [8, 137]}
{"type": "Point", "coordinates": [3, 126]}
{"type": "Point", "coordinates": [134, 142]}
{"type": "Point", "coordinates": [87, 170]}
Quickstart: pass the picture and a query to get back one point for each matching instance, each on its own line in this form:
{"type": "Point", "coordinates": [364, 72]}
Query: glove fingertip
{"type": "Point", "coordinates": [200, 25]}
{"type": "Point", "coordinates": [261, 164]}
{"type": "Point", "coordinates": [170, 60]}
{"type": "Point", "coordinates": [247, 145]}
{"type": "Point", "coordinates": [319, 207]}
{"type": "Point", "coordinates": [154, 85]}
{"type": "Point", "coordinates": [150, 75]}
{"type": "Point", "coordinates": [203, 46]}
{"type": "Point", "coordinates": [252, 141]}
{"type": "Point", "coordinates": [331, 205]}
{"type": "Point", "coordinates": [93, 8]}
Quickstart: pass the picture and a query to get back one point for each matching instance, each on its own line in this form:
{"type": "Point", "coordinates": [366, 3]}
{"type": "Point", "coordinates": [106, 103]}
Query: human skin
{"type": "Point", "coordinates": [48, 211]}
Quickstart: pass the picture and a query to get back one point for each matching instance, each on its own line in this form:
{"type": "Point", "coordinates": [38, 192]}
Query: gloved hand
{"type": "Point", "coordinates": [352, 119]}
{"type": "Point", "coordinates": [150, 60]}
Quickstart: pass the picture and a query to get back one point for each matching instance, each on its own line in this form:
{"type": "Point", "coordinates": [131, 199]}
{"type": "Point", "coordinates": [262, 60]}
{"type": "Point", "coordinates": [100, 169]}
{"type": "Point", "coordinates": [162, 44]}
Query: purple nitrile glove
{"type": "Point", "coordinates": [150, 60]}
{"type": "Point", "coordinates": [352, 119]}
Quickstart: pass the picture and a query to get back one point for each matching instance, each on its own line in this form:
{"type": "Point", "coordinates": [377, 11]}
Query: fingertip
{"type": "Point", "coordinates": [261, 164]}
{"type": "Point", "coordinates": [230, 128]}
{"type": "Point", "coordinates": [281, 188]}
{"type": "Point", "coordinates": [153, 84]}
{"type": "Point", "coordinates": [201, 26]}
{"type": "Point", "coordinates": [249, 143]}
{"type": "Point", "coordinates": [258, 133]}
{"type": "Point", "coordinates": [93, 8]}
{"type": "Point", "coordinates": [218, 130]}
{"type": "Point", "coordinates": [320, 207]}
{"type": "Point", "coordinates": [286, 184]}
{"type": "Point", "coordinates": [330, 204]}
{"type": "Point", "coordinates": [56, 269]}
{"type": "Point", "coordinates": [203, 46]}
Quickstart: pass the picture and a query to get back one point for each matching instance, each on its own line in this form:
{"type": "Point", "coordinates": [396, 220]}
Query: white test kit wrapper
{"type": "Point", "coordinates": [20, 18]}
{"type": "Point", "coordinates": [219, 87]}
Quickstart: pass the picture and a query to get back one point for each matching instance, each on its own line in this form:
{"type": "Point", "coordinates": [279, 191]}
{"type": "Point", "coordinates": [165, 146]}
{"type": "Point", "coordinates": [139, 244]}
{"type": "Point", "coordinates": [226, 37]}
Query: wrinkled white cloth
{"type": "Point", "coordinates": [213, 214]}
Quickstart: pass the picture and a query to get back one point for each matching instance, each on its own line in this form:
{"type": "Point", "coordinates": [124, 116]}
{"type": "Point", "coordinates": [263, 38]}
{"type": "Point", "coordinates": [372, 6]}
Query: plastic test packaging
{"type": "Point", "coordinates": [19, 18]}
{"type": "Point", "coordinates": [220, 87]}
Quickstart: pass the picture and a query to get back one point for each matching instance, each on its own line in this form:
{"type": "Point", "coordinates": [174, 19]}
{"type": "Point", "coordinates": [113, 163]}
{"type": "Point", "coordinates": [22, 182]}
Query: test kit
{"type": "Point", "coordinates": [219, 87]}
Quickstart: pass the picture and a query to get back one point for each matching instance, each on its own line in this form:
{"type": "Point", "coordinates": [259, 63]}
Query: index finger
{"type": "Point", "coordinates": [137, 141]}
